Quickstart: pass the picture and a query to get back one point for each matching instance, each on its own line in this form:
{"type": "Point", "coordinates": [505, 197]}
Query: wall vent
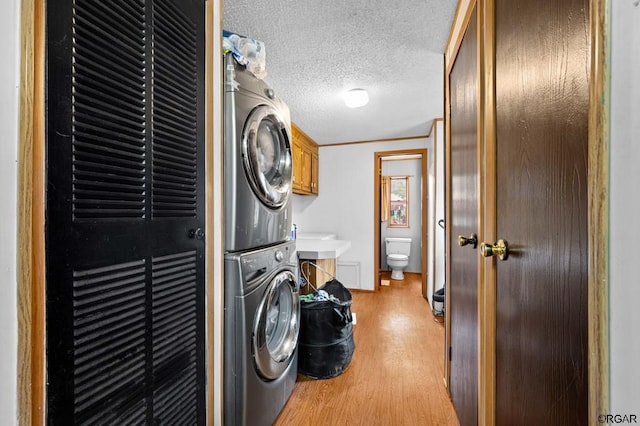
{"type": "Point", "coordinates": [348, 273]}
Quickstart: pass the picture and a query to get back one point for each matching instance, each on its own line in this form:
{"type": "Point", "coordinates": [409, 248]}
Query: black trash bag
{"type": "Point", "coordinates": [326, 344]}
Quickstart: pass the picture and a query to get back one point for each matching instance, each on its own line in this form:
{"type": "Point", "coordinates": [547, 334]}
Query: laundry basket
{"type": "Point", "coordinates": [326, 344]}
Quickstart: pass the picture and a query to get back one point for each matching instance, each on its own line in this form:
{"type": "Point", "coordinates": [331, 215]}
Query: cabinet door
{"type": "Point", "coordinates": [125, 211]}
{"type": "Point", "coordinates": [297, 162]}
{"type": "Point", "coordinates": [314, 172]}
{"type": "Point", "coordinates": [306, 169]}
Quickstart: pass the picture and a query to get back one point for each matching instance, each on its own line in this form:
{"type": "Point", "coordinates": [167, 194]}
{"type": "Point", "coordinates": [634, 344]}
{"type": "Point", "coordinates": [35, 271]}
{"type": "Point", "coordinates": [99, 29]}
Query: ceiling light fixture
{"type": "Point", "coordinates": [356, 98]}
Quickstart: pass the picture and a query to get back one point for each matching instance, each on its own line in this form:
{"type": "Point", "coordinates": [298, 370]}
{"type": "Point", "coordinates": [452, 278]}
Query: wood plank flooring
{"type": "Point", "coordinates": [396, 374]}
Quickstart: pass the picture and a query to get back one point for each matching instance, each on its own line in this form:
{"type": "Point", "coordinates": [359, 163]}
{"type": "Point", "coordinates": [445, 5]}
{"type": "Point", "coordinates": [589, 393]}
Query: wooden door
{"type": "Point", "coordinates": [463, 82]}
{"type": "Point", "coordinates": [125, 212]}
{"type": "Point", "coordinates": [541, 94]}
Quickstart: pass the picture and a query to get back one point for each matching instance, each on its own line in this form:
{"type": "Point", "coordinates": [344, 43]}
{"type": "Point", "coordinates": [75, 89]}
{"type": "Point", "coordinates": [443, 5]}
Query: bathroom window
{"type": "Point", "coordinates": [398, 202]}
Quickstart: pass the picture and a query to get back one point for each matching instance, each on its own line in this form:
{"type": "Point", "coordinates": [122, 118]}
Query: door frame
{"type": "Point", "coordinates": [377, 171]}
{"type": "Point", "coordinates": [30, 259]}
{"type": "Point", "coordinates": [598, 198]}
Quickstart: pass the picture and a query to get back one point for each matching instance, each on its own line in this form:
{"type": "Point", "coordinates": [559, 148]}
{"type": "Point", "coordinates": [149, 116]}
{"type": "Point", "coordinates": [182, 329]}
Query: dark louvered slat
{"type": "Point", "coordinates": [122, 101]}
{"type": "Point", "coordinates": [126, 416]}
{"type": "Point", "coordinates": [90, 177]}
{"type": "Point", "coordinates": [109, 339]}
{"type": "Point", "coordinates": [127, 140]}
{"type": "Point", "coordinates": [180, 164]}
{"type": "Point", "coordinates": [109, 66]}
{"type": "Point", "coordinates": [105, 149]}
{"type": "Point", "coordinates": [174, 310]}
{"type": "Point", "coordinates": [174, 139]}
{"type": "Point", "coordinates": [94, 389]}
{"type": "Point", "coordinates": [106, 351]}
{"type": "Point", "coordinates": [185, 153]}
{"type": "Point", "coordinates": [167, 351]}
{"type": "Point", "coordinates": [163, 172]}
{"type": "Point", "coordinates": [109, 113]}
{"type": "Point", "coordinates": [171, 317]}
{"type": "Point", "coordinates": [168, 94]}
{"type": "Point", "coordinates": [98, 316]}
{"type": "Point", "coordinates": [170, 271]}
{"type": "Point", "coordinates": [109, 24]}
{"type": "Point", "coordinates": [160, 192]}
{"type": "Point", "coordinates": [126, 92]}
{"type": "Point", "coordinates": [175, 403]}
{"type": "Point", "coordinates": [174, 112]}
{"type": "Point", "coordinates": [105, 362]}
{"type": "Point", "coordinates": [105, 196]}
{"type": "Point", "coordinates": [171, 97]}
{"type": "Point", "coordinates": [102, 113]}
{"type": "Point", "coordinates": [88, 157]}
{"type": "Point", "coordinates": [99, 39]}
{"type": "Point", "coordinates": [97, 74]}
{"type": "Point", "coordinates": [104, 104]}
{"type": "Point", "coordinates": [166, 159]}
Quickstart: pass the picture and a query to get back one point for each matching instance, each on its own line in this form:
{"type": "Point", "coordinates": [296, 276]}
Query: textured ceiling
{"type": "Point", "coordinates": [316, 50]}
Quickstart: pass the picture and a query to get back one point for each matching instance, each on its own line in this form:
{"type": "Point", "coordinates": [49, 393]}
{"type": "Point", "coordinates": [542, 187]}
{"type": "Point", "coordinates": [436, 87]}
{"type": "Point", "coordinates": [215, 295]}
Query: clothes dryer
{"type": "Point", "coordinates": [262, 311]}
{"type": "Point", "coordinates": [258, 169]}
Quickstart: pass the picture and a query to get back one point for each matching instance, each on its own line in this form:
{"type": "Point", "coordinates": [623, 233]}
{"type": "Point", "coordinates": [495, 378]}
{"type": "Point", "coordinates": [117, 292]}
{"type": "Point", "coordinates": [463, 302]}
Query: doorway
{"type": "Point", "coordinates": [419, 180]}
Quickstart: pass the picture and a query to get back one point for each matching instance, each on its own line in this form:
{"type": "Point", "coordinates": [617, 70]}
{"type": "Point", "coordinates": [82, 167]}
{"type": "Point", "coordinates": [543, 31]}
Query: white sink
{"type": "Point", "coordinates": [315, 236]}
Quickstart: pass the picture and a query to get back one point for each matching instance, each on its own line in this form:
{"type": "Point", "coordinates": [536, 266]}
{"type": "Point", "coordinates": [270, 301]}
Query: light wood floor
{"type": "Point", "coordinates": [396, 374]}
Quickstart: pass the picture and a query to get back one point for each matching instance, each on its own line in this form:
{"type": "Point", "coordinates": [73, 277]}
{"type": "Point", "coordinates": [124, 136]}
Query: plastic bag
{"type": "Point", "coordinates": [248, 52]}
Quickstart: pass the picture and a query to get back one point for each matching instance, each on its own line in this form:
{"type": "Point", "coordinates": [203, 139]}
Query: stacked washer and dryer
{"type": "Point", "coordinates": [262, 308]}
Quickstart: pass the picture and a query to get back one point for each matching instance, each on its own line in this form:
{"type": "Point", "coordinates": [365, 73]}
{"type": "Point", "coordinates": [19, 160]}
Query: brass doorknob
{"type": "Point", "coordinates": [500, 249]}
{"type": "Point", "coordinates": [463, 241]}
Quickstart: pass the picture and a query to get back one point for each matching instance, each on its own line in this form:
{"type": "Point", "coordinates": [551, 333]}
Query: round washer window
{"type": "Point", "coordinates": [266, 151]}
{"type": "Point", "coordinates": [276, 326]}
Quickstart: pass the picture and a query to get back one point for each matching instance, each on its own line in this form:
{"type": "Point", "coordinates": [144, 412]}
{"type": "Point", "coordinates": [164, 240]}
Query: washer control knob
{"type": "Point", "coordinates": [279, 256]}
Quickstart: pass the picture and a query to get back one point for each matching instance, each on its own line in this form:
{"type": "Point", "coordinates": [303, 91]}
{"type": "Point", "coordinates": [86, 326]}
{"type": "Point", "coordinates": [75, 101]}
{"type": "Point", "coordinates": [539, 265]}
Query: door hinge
{"type": "Point", "coordinates": [449, 353]}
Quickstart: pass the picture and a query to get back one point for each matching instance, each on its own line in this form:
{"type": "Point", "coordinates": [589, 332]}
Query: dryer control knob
{"type": "Point", "coordinates": [270, 93]}
{"type": "Point", "coordinates": [279, 256]}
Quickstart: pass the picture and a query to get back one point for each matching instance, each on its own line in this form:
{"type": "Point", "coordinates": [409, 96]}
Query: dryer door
{"type": "Point", "coordinates": [276, 326]}
{"type": "Point", "coordinates": [266, 153]}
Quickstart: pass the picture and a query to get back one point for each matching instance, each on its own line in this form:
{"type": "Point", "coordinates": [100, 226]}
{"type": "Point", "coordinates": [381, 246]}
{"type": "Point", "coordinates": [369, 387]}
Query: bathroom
{"type": "Point", "coordinates": [401, 212]}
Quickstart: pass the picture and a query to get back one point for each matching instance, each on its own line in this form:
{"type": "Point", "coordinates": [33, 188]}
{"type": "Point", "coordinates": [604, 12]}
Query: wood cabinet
{"type": "Point", "coordinates": [305, 162]}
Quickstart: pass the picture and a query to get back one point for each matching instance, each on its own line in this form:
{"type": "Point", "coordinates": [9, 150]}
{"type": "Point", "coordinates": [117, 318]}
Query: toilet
{"type": "Point", "coordinates": [398, 250]}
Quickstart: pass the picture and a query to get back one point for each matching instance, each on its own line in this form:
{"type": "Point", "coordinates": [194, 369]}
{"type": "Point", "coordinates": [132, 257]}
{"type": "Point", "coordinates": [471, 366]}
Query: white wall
{"type": "Point", "coordinates": [413, 169]}
{"type": "Point", "coordinates": [345, 203]}
{"type": "Point", "coordinates": [438, 232]}
{"type": "Point", "coordinates": [9, 83]}
{"type": "Point", "coordinates": [624, 292]}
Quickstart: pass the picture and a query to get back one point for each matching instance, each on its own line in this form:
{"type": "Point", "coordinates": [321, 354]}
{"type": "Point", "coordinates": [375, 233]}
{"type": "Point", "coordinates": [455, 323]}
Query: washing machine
{"type": "Point", "coordinates": [258, 169]}
{"type": "Point", "coordinates": [261, 317]}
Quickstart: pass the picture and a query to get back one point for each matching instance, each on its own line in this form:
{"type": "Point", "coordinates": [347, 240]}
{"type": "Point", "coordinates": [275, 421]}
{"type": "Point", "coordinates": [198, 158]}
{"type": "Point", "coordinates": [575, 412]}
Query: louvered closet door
{"type": "Point", "coordinates": [125, 212]}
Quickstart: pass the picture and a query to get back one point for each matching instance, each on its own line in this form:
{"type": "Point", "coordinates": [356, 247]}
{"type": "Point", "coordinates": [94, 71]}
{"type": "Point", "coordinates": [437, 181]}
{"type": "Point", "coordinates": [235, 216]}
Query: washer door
{"type": "Point", "coordinates": [266, 153]}
{"type": "Point", "coordinates": [276, 326]}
